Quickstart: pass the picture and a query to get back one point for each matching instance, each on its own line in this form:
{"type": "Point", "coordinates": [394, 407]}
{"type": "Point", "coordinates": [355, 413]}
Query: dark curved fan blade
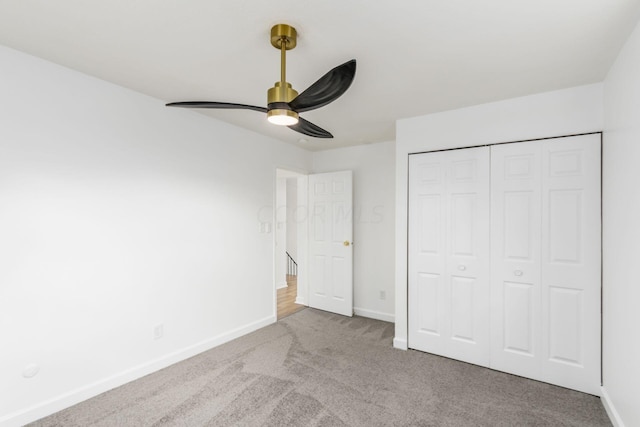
{"type": "Point", "coordinates": [308, 128]}
{"type": "Point", "coordinates": [327, 89]}
{"type": "Point", "coordinates": [222, 105]}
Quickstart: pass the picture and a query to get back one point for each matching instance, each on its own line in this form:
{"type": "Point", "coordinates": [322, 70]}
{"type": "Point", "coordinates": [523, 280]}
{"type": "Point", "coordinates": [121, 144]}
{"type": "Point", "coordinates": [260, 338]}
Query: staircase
{"type": "Point", "coordinates": [287, 296]}
{"type": "Point", "coordinates": [292, 266]}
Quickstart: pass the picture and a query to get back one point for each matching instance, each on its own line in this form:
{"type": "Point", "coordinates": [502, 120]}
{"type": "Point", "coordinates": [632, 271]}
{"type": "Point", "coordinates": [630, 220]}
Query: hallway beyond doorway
{"type": "Point", "coordinates": [287, 298]}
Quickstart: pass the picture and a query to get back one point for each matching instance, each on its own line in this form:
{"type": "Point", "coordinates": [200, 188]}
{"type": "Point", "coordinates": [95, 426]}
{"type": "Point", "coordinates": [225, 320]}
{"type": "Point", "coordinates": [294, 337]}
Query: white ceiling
{"type": "Point", "coordinates": [414, 56]}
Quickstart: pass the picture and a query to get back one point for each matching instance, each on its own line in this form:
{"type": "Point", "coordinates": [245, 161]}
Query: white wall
{"type": "Point", "coordinates": [621, 210]}
{"type": "Point", "coordinates": [373, 199]}
{"type": "Point", "coordinates": [117, 215]}
{"type": "Point", "coordinates": [563, 112]}
{"type": "Point", "coordinates": [281, 233]}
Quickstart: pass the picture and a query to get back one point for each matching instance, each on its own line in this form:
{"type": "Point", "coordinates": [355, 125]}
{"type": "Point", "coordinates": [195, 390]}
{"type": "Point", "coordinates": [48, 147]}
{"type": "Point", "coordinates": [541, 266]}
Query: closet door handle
{"type": "Point", "coordinates": [518, 273]}
{"type": "Point", "coordinates": [462, 267]}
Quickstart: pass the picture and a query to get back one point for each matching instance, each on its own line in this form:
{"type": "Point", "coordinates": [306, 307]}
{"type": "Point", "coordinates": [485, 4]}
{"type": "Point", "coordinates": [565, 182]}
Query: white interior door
{"type": "Point", "coordinates": [449, 254]}
{"type": "Point", "coordinates": [331, 242]}
{"type": "Point", "coordinates": [546, 261]}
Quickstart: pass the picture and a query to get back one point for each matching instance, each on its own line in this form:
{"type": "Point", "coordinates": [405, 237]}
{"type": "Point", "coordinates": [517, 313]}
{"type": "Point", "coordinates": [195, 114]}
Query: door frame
{"type": "Point", "coordinates": [302, 232]}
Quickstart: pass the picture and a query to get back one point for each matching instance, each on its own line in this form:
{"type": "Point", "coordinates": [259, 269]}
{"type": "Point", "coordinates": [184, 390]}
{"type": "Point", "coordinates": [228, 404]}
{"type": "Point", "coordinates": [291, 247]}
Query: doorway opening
{"type": "Point", "coordinates": [289, 238]}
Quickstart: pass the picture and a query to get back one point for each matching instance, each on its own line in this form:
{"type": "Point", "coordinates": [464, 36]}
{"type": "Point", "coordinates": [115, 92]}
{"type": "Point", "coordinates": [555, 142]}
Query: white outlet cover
{"type": "Point", "coordinates": [30, 370]}
{"type": "Point", "coordinates": [158, 332]}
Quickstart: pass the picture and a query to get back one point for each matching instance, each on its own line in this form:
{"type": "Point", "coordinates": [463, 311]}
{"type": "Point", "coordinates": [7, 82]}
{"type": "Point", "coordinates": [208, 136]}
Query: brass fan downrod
{"type": "Point", "coordinates": [283, 38]}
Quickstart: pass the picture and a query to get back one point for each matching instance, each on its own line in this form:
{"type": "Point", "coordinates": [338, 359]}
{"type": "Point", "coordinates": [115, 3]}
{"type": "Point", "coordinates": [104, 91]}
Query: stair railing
{"type": "Point", "coordinates": [292, 266]}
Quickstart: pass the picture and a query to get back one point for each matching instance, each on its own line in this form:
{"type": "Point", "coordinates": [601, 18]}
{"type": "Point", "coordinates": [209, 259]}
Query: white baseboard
{"type": "Point", "coordinates": [400, 344]}
{"type": "Point", "coordinates": [611, 410]}
{"type": "Point", "coordinates": [73, 397]}
{"type": "Point", "coordinates": [300, 300]}
{"type": "Point", "coordinates": [281, 285]}
{"type": "Point", "coordinates": [372, 314]}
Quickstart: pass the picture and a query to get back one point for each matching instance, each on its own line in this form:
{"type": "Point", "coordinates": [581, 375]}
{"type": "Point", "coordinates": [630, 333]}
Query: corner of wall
{"type": "Point", "coordinates": [400, 343]}
{"type": "Point", "coordinates": [613, 414]}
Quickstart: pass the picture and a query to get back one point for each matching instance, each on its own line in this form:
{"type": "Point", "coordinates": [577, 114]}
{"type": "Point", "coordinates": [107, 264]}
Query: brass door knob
{"type": "Point", "coordinates": [347, 243]}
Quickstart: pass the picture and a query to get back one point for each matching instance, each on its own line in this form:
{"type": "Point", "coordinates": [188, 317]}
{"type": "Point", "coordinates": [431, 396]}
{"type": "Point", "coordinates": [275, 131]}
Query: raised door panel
{"type": "Point", "coordinates": [427, 294]}
{"type": "Point", "coordinates": [565, 335]}
{"type": "Point", "coordinates": [463, 300]}
{"type": "Point", "coordinates": [565, 224]}
{"type": "Point", "coordinates": [428, 214]}
{"type": "Point", "coordinates": [518, 319]}
{"type": "Point", "coordinates": [517, 226]}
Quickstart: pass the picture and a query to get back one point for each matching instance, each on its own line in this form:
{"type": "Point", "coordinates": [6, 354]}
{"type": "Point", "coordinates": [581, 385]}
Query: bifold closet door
{"type": "Point", "coordinates": [516, 291]}
{"type": "Point", "coordinates": [449, 254]}
{"type": "Point", "coordinates": [546, 260]}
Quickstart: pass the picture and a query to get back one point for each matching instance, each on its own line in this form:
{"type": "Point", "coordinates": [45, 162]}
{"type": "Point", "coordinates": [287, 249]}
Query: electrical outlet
{"type": "Point", "coordinates": [265, 227]}
{"type": "Point", "coordinates": [383, 295]}
{"type": "Point", "coordinates": [158, 331]}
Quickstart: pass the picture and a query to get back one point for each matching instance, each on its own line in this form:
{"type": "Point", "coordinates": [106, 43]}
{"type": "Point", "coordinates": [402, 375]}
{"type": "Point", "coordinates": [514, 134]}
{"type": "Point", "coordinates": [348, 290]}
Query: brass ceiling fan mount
{"type": "Point", "coordinates": [284, 33]}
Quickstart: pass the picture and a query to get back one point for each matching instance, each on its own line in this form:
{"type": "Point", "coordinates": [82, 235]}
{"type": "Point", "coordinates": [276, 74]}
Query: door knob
{"type": "Point", "coordinates": [462, 267]}
{"type": "Point", "coordinates": [346, 243]}
{"type": "Point", "coordinates": [518, 273]}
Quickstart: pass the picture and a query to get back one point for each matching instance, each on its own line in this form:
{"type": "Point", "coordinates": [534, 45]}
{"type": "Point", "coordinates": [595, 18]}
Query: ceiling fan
{"type": "Point", "coordinates": [283, 102]}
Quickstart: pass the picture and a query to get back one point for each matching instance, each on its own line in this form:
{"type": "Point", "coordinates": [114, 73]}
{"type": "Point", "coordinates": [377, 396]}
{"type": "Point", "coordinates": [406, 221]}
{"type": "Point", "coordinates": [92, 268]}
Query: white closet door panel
{"type": "Point", "coordinates": [515, 256]}
{"type": "Point", "coordinates": [546, 261]}
{"type": "Point", "coordinates": [449, 254]}
{"type": "Point", "coordinates": [427, 221]}
{"type": "Point", "coordinates": [468, 254]}
{"type": "Point", "coordinates": [571, 268]}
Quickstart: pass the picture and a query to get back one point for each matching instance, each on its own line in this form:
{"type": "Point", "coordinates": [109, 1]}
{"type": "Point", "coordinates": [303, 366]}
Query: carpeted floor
{"type": "Point", "coordinates": [318, 369]}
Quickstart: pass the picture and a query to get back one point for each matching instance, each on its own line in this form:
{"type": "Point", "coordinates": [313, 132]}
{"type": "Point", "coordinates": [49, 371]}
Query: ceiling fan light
{"type": "Point", "coordinates": [282, 117]}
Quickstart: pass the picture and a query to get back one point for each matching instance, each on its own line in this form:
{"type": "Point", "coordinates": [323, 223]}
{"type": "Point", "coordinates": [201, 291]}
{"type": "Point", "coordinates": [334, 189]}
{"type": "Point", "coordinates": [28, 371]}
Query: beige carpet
{"type": "Point", "coordinates": [318, 369]}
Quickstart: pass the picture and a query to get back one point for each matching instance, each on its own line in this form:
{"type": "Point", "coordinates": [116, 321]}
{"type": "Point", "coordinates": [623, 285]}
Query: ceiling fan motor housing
{"type": "Point", "coordinates": [278, 99]}
{"type": "Point", "coordinates": [276, 94]}
{"type": "Point", "coordinates": [277, 102]}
